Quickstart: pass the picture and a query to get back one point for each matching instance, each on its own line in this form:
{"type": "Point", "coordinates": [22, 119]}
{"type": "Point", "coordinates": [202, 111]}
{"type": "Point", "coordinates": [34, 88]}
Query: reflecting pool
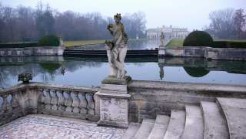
{"type": "Point", "coordinates": [90, 72]}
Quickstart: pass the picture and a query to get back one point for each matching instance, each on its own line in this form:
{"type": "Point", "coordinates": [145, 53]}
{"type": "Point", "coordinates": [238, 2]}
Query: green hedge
{"type": "Point", "coordinates": [228, 44]}
{"type": "Point", "coordinates": [49, 40]}
{"type": "Point", "coordinates": [198, 38]}
{"type": "Point", "coordinates": [18, 45]}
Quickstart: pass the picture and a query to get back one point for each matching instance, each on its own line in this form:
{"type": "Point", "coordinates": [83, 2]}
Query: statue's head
{"type": "Point", "coordinates": [117, 17]}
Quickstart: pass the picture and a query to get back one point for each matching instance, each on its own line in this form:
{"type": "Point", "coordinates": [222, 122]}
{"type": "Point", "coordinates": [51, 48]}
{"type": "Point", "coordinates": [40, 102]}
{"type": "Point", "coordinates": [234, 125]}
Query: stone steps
{"type": "Point", "coordinates": [193, 123]}
{"type": "Point", "coordinates": [160, 127]}
{"type": "Point", "coordinates": [215, 126]}
{"type": "Point", "coordinates": [145, 129]}
{"type": "Point", "coordinates": [235, 113]}
{"type": "Point", "coordinates": [176, 125]}
{"type": "Point", "coordinates": [222, 120]}
{"type": "Point", "coordinates": [131, 131]}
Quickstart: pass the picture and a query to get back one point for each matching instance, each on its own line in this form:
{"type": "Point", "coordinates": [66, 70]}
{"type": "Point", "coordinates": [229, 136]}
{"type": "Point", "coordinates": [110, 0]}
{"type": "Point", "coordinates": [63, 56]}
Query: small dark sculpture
{"type": "Point", "coordinates": [25, 77]}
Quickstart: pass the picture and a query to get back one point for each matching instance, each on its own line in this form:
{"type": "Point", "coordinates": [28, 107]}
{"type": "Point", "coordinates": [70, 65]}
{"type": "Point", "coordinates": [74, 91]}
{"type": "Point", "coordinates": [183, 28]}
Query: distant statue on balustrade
{"type": "Point", "coordinates": [117, 48]}
{"type": "Point", "coordinates": [162, 37]}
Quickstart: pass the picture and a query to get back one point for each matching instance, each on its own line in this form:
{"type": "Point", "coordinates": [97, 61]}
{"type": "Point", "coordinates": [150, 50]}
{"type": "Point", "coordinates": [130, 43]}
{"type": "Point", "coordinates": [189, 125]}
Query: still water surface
{"type": "Point", "coordinates": [90, 72]}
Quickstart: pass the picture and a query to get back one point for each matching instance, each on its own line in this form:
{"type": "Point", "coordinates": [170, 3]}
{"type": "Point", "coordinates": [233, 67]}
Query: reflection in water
{"type": "Point", "coordinates": [50, 67]}
{"type": "Point", "coordinates": [196, 71]}
{"type": "Point", "coordinates": [90, 72]}
{"type": "Point", "coordinates": [63, 70]}
{"type": "Point", "coordinates": [161, 66]}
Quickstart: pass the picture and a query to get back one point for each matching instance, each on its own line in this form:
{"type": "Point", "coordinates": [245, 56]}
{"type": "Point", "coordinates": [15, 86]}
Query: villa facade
{"type": "Point", "coordinates": [169, 32]}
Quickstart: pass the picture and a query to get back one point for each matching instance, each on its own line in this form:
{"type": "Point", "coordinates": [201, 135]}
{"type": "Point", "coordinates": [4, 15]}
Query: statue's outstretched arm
{"type": "Point", "coordinates": [110, 28]}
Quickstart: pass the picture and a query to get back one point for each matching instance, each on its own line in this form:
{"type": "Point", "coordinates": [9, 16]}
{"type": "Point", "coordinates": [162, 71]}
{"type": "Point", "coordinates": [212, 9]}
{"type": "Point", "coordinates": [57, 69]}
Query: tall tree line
{"type": "Point", "coordinates": [28, 24]}
{"type": "Point", "coordinates": [227, 24]}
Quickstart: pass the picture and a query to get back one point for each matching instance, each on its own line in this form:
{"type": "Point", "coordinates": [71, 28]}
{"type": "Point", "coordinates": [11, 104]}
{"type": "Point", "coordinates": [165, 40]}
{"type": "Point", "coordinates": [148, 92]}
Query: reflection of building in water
{"type": "Point", "coordinates": [169, 32]}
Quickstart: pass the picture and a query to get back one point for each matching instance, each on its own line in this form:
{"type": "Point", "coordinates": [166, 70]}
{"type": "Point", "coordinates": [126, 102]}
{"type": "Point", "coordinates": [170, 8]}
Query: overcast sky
{"type": "Point", "coordinates": [192, 14]}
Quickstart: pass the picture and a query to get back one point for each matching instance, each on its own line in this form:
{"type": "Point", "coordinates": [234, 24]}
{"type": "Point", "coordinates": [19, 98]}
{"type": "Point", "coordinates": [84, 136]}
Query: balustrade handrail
{"type": "Point", "coordinates": [38, 85]}
{"type": "Point", "coordinates": [55, 86]}
{"type": "Point", "coordinates": [202, 87]}
{"type": "Point", "coordinates": [12, 89]}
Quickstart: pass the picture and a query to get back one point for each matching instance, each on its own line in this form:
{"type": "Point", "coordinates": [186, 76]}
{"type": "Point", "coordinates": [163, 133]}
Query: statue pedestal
{"type": "Point", "coordinates": [161, 51]}
{"type": "Point", "coordinates": [113, 98]}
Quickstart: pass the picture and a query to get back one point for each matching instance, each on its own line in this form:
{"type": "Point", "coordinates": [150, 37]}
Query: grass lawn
{"type": "Point", "coordinates": [82, 42]}
{"type": "Point", "coordinates": [175, 43]}
{"type": "Point", "coordinates": [89, 42]}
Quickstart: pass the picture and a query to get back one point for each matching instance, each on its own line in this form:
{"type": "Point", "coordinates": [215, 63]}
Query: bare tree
{"type": "Point", "coordinates": [135, 24]}
{"type": "Point", "coordinates": [27, 24]}
{"type": "Point", "coordinates": [26, 27]}
{"type": "Point", "coordinates": [239, 21]}
{"type": "Point", "coordinates": [222, 24]}
{"type": "Point", "coordinates": [45, 21]}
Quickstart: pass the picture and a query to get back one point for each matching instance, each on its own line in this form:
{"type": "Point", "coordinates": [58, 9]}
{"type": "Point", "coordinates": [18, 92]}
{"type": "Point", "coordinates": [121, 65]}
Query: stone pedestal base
{"type": "Point", "coordinates": [114, 104]}
{"type": "Point", "coordinates": [162, 51]}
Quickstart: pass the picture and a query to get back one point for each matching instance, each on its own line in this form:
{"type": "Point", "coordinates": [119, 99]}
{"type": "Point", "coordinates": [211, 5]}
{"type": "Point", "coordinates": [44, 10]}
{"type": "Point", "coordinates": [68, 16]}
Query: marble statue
{"type": "Point", "coordinates": [117, 48]}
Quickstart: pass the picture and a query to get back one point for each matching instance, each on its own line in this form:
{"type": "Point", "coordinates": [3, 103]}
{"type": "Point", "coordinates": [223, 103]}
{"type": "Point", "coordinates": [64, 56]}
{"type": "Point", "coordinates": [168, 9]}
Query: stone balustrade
{"type": "Point", "coordinates": [65, 101]}
{"type": "Point", "coordinates": [10, 105]}
{"type": "Point", "coordinates": [68, 102]}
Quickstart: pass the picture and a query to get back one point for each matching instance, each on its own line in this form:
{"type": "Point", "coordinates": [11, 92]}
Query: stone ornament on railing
{"type": "Point", "coordinates": [69, 103]}
{"type": "Point", "coordinates": [25, 77]}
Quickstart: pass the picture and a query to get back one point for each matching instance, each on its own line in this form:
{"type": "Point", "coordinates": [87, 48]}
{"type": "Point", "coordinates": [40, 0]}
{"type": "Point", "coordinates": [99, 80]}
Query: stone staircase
{"type": "Point", "coordinates": [223, 119]}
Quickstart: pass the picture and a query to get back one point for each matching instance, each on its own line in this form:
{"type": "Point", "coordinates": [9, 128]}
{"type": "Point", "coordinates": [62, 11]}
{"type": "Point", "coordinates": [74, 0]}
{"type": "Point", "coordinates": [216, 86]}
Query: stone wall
{"type": "Point", "coordinates": [225, 53]}
{"type": "Point", "coordinates": [208, 52]}
{"type": "Point", "coordinates": [194, 51]}
{"type": "Point", "coordinates": [188, 51]}
{"type": "Point", "coordinates": [149, 98]}
{"type": "Point", "coordinates": [175, 52]}
{"type": "Point", "coordinates": [32, 51]}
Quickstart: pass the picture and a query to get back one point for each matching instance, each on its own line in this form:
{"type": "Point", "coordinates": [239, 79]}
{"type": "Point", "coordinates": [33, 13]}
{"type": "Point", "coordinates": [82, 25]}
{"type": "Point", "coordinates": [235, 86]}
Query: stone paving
{"type": "Point", "coordinates": [51, 127]}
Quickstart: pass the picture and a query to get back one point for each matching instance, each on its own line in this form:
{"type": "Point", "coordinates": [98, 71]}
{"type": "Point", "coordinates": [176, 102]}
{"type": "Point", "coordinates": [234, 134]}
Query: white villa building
{"type": "Point", "coordinates": [169, 32]}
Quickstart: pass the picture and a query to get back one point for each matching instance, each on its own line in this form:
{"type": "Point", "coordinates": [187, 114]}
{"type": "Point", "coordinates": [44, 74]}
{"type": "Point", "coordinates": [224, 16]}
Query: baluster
{"type": "Point", "coordinates": [9, 102]}
{"type": "Point", "coordinates": [68, 101]}
{"type": "Point", "coordinates": [42, 99]}
{"type": "Point", "coordinates": [83, 103]}
{"type": "Point", "coordinates": [1, 105]}
{"type": "Point", "coordinates": [91, 103]}
{"type": "Point", "coordinates": [5, 104]}
{"type": "Point", "coordinates": [61, 100]}
{"type": "Point", "coordinates": [54, 99]}
{"type": "Point", "coordinates": [47, 99]}
{"type": "Point", "coordinates": [75, 104]}
{"type": "Point", "coordinates": [15, 103]}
